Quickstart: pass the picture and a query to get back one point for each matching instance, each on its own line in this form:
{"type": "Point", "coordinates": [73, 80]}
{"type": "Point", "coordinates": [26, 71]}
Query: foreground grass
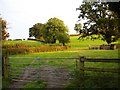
{"type": "Point", "coordinates": [93, 80]}
{"type": "Point", "coordinates": [35, 84]}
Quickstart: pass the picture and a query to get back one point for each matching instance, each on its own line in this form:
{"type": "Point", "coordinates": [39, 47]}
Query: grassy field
{"type": "Point", "coordinates": [26, 42]}
{"type": "Point", "coordinates": [69, 64]}
{"type": "Point", "coordinates": [74, 54]}
{"type": "Point", "coordinates": [75, 43]}
{"type": "Point", "coordinates": [77, 48]}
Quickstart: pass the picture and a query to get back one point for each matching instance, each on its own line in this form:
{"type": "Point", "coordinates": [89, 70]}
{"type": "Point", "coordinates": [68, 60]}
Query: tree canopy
{"type": "Point", "coordinates": [36, 31]}
{"type": "Point", "coordinates": [54, 29]}
{"type": "Point", "coordinates": [101, 21]}
{"type": "Point", "coordinates": [3, 27]}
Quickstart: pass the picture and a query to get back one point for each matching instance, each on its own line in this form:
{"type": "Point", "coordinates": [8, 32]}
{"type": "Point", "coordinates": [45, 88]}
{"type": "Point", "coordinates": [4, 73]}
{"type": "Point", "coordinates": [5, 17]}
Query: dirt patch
{"type": "Point", "coordinates": [55, 77]}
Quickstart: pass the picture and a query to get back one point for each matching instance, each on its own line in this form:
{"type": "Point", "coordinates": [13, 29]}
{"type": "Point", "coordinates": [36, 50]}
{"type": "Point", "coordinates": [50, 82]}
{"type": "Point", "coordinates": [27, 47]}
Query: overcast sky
{"type": "Point", "coordinates": [23, 14]}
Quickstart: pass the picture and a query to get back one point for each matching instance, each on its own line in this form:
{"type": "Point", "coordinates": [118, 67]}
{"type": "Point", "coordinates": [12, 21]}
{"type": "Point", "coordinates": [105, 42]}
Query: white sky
{"type": "Point", "coordinates": [23, 14]}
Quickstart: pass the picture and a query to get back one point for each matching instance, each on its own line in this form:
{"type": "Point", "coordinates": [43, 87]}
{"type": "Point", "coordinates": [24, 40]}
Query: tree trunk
{"type": "Point", "coordinates": [63, 44]}
{"type": "Point", "coordinates": [108, 38]}
{"type": "Point", "coordinates": [54, 39]}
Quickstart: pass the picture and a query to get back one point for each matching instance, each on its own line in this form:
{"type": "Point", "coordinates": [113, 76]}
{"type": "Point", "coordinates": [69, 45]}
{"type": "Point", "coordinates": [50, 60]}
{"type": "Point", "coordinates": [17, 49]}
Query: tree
{"type": "Point", "coordinates": [78, 27]}
{"type": "Point", "coordinates": [100, 21]}
{"type": "Point", "coordinates": [54, 29]}
{"type": "Point", "coordinates": [63, 38]}
{"type": "Point", "coordinates": [36, 31]}
{"type": "Point", "coordinates": [3, 27]}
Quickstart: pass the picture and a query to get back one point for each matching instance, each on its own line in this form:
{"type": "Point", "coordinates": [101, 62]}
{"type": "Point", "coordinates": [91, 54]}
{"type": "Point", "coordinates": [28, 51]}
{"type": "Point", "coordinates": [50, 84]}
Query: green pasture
{"type": "Point", "coordinates": [29, 43]}
{"type": "Point", "coordinates": [77, 48]}
{"type": "Point", "coordinates": [73, 54]}
{"type": "Point", "coordinates": [74, 42]}
{"type": "Point", "coordinates": [69, 64]}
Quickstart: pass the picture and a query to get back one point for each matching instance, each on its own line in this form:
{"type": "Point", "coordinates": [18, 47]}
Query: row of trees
{"type": "Point", "coordinates": [51, 31]}
{"type": "Point", "coordinates": [102, 19]}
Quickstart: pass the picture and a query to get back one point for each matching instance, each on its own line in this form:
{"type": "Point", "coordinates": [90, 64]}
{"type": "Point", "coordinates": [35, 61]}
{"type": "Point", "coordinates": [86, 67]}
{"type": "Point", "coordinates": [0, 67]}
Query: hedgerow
{"type": "Point", "coordinates": [24, 49]}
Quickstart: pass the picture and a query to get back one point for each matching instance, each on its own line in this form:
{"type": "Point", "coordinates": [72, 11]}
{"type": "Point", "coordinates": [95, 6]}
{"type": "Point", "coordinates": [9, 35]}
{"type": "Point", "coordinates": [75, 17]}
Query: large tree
{"type": "Point", "coordinates": [100, 21]}
{"type": "Point", "coordinates": [54, 29]}
{"type": "Point", "coordinates": [36, 31]}
{"type": "Point", "coordinates": [3, 27]}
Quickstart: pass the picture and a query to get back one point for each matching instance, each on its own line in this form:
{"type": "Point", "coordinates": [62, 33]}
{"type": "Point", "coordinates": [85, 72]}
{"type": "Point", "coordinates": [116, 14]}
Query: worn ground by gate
{"type": "Point", "coordinates": [25, 70]}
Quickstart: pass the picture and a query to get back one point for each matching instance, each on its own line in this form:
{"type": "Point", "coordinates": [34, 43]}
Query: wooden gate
{"type": "Point", "coordinates": [52, 70]}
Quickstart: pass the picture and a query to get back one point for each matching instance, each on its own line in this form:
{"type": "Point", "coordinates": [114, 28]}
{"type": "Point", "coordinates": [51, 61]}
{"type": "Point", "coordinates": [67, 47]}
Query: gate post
{"type": "Point", "coordinates": [81, 67]}
{"type": "Point", "coordinates": [81, 64]}
{"type": "Point", "coordinates": [5, 67]}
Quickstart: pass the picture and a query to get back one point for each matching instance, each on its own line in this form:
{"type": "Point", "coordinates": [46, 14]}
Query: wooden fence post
{"type": "Point", "coordinates": [81, 67]}
{"type": "Point", "coordinates": [5, 67]}
{"type": "Point", "coordinates": [81, 64]}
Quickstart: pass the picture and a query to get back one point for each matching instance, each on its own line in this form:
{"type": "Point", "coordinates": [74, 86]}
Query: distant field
{"type": "Point", "coordinates": [74, 42]}
{"type": "Point", "coordinates": [26, 42]}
